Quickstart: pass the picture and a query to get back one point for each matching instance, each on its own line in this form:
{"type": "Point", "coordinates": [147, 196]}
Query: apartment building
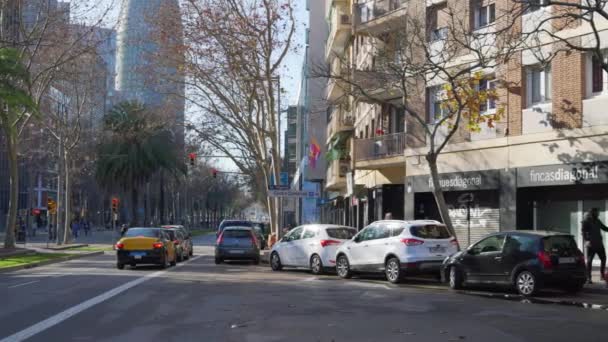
{"type": "Point", "coordinates": [541, 166]}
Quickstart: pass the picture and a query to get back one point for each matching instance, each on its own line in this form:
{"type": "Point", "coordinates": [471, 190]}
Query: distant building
{"type": "Point", "coordinates": [146, 62]}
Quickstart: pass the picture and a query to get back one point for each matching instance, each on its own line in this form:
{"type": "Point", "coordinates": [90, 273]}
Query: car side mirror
{"type": "Point", "coordinates": [357, 239]}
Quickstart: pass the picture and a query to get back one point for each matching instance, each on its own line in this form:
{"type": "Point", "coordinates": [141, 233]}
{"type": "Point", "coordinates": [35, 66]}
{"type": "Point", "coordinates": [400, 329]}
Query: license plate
{"type": "Point", "coordinates": [236, 251]}
{"type": "Point", "coordinates": [437, 249]}
{"type": "Point", "coordinates": [567, 260]}
{"type": "Point", "coordinates": [138, 255]}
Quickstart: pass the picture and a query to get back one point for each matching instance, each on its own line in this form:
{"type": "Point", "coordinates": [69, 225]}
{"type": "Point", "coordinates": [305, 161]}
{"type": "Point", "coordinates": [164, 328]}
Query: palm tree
{"type": "Point", "coordinates": [16, 108]}
{"type": "Point", "coordinates": [138, 146]}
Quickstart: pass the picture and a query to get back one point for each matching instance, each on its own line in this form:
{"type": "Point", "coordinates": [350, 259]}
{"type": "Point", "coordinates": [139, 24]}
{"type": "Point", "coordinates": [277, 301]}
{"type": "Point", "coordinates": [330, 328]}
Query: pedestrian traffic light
{"type": "Point", "coordinates": [115, 202]}
{"type": "Point", "coordinates": [214, 172]}
{"type": "Point", "coordinates": [192, 157]}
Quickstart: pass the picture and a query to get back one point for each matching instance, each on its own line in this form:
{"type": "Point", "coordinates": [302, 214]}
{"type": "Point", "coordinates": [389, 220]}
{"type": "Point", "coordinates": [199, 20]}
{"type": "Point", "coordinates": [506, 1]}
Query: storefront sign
{"type": "Point", "coordinates": [565, 174]}
{"type": "Point", "coordinates": [458, 181]}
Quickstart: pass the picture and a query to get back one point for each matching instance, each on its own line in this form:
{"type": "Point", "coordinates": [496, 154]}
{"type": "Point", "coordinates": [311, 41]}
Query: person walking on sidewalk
{"type": "Point", "coordinates": [592, 234]}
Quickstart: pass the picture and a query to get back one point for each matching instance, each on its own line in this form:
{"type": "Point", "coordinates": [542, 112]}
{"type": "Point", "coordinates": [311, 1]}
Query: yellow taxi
{"type": "Point", "coordinates": [145, 246]}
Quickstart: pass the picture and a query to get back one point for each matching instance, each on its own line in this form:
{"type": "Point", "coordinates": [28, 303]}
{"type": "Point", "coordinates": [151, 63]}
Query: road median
{"type": "Point", "coordinates": [16, 263]}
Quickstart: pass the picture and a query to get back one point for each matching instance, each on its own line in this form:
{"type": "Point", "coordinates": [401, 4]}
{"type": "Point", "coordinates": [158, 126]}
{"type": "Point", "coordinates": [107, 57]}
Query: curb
{"type": "Point", "coordinates": [49, 262]}
{"type": "Point", "coordinates": [66, 247]}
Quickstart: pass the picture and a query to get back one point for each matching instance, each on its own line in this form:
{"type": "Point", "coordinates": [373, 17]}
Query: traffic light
{"type": "Point", "coordinates": [214, 172]}
{"type": "Point", "coordinates": [51, 205]}
{"type": "Point", "coordinates": [192, 157]}
{"type": "Point", "coordinates": [115, 203]}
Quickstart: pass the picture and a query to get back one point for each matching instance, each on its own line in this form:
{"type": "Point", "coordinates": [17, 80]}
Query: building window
{"type": "Point", "coordinates": [535, 5]}
{"type": "Point", "coordinates": [438, 21]}
{"type": "Point", "coordinates": [485, 13]}
{"type": "Point", "coordinates": [598, 76]}
{"type": "Point", "coordinates": [538, 85]}
{"type": "Point", "coordinates": [489, 106]}
{"type": "Point", "coordinates": [435, 96]}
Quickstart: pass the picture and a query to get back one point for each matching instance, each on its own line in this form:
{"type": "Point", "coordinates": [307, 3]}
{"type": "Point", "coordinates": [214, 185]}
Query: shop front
{"type": "Point", "coordinates": [474, 201]}
{"type": "Point", "coordinates": [556, 197]}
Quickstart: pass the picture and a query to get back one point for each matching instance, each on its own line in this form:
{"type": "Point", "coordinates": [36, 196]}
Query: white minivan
{"type": "Point", "coordinates": [397, 248]}
{"type": "Point", "coordinates": [310, 246]}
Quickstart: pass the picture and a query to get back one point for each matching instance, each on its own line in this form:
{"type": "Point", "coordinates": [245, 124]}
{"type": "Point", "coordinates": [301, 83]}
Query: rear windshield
{"type": "Point", "coordinates": [145, 232]}
{"type": "Point", "coordinates": [171, 234]}
{"type": "Point", "coordinates": [430, 231]}
{"type": "Point", "coordinates": [238, 234]}
{"type": "Point", "coordinates": [227, 224]}
{"type": "Point", "coordinates": [342, 233]}
{"type": "Point", "coordinates": [559, 244]}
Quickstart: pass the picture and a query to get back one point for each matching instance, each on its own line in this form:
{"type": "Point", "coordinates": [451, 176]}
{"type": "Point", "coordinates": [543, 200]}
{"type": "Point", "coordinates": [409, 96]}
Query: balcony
{"type": "Point", "coordinates": [340, 28]}
{"type": "Point", "coordinates": [335, 85]}
{"type": "Point", "coordinates": [336, 174]}
{"type": "Point", "coordinates": [380, 83]}
{"type": "Point", "coordinates": [379, 152]}
{"type": "Point", "coordinates": [375, 17]}
{"type": "Point", "coordinates": [340, 121]}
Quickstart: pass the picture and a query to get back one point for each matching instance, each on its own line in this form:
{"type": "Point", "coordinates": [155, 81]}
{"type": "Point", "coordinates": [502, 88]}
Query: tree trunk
{"type": "Point", "coordinates": [59, 213]}
{"type": "Point", "coordinates": [134, 206]}
{"type": "Point", "coordinates": [161, 202]}
{"type": "Point", "coordinates": [11, 219]}
{"type": "Point", "coordinates": [438, 193]}
{"type": "Point", "coordinates": [68, 199]}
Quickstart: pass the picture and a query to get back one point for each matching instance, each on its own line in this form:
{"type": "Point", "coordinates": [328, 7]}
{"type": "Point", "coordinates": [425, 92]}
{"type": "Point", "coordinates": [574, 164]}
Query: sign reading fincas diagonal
{"type": "Point", "coordinates": [293, 193]}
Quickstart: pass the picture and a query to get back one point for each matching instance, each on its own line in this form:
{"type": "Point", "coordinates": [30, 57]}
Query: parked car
{"type": "Point", "coordinates": [237, 243]}
{"type": "Point", "coordinates": [397, 248]}
{"type": "Point", "coordinates": [187, 244]}
{"type": "Point", "coordinates": [232, 223]}
{"type": "Point", "coordinates": [145, 246]}
{"type": "Point", "coordinates": [525, 260]}
{"type": "Point", "coordinates": [310, 246]}
{"type": "Point", "coordinates": [181, 248]}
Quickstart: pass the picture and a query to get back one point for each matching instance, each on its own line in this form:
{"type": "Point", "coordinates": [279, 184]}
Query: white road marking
{"type": "Point", "coordinates": [19, 285]}
{"type": "Point", "coordinates": [62, 316]}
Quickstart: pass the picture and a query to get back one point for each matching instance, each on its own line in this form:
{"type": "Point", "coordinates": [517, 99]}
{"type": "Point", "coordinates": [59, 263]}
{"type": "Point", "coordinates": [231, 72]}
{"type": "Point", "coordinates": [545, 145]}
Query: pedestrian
{"type": "Point", "coordinates": [123, 229]}
{"type": "Point", "coordinates": [86, 227]}
{"type": "Point", "coordinates": [51, 232]}
{"type": "Point", "coordinates": [592, 234]}
{"type": "Point", "coordinates": [75, 228]}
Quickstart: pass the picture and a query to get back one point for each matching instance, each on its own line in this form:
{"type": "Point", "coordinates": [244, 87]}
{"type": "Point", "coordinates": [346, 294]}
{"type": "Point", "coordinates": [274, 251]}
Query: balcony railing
{"type": "Point", "coordinates": [385, 146]}
{"type": "Point", "coordinates": [373, 9]}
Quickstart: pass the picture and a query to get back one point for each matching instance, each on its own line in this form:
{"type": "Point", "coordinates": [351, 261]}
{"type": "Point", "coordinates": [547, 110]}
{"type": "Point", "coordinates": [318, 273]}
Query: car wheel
{"type": "Point", "coordinates": [174, 262]}
{"type": "Point", "coordinates": [120, 266]}
{"type": "Point", "coordinates": [455, 278]}
{"type": "Point", "coordinates": [343, 267]}
{"type": "Point", "coordinates": [393, 270]}
{"type": "Point", "coordinates": [275, 262]}
{"type": "Point", "coordinates": [316, 265]}
{"type": "Point", "coordinates": [526, 283]}
{"type": "Point", "coordinates": [218, 261]}
{"type": "Point", "coordinates": [163, 261]}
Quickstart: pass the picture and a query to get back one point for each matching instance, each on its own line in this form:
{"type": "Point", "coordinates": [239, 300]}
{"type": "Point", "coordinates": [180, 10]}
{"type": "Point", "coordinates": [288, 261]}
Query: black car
{"type": "Point", "coordinates": [237, 243]}
{"type": "Point", "coordinates": [525, 260]}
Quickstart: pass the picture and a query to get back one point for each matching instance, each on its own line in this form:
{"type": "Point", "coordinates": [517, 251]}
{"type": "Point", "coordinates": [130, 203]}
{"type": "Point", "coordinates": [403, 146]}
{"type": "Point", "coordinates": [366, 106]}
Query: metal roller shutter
{"type": "Point", "coordinates": [485, 216]}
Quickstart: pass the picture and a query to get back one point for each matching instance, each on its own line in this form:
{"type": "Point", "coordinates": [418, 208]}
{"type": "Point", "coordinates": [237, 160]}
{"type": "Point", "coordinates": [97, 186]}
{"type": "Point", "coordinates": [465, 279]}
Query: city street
{"type": "Point", "coordinates": [89, 300]}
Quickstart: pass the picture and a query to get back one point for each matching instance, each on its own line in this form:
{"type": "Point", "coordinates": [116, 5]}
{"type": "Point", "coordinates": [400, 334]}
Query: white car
{"type": "Point", "coordinates": [397, 248]}
{"type": "Point", "coordinates": [310, 246]}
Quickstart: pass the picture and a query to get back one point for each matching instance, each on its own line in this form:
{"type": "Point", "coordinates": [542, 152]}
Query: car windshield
{"type": "Point", "coordinates": [430, 231]}
{"type": "Point", "coordinates": [237, 233]}
{"type": "Point", "coordinates": [559, 244]}
{"type": "Point", "coordinates": [342, 233]}
{"type": "Point", "coordinates": [145, 232]}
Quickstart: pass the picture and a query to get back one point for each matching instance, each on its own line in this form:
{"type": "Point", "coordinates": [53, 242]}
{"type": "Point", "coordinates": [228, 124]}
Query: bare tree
{"type": "Point", "coordinates": [45, 44]}
{"type": "Point", "coordinates": [235, 52]}
{"type": "Point", "coordinates": [431, 55]}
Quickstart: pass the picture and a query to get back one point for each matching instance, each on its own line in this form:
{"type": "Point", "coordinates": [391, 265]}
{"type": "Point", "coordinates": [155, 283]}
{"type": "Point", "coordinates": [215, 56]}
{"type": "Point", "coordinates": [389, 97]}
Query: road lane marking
{"type": "Point", "coordinates": [19, 285]}
{"type": "Point", "coordinates": [66, 314]}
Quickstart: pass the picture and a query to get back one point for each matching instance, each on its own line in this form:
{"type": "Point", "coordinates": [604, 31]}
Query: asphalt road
{"type": "Point", "coordinates": [89, 300]}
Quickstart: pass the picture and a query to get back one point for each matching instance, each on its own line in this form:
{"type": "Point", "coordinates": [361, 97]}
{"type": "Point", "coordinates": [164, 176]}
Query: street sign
{"type": "Point", "coordinates": [278, 187]}
{"type": "Point", "coordinates": [293, 194]}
